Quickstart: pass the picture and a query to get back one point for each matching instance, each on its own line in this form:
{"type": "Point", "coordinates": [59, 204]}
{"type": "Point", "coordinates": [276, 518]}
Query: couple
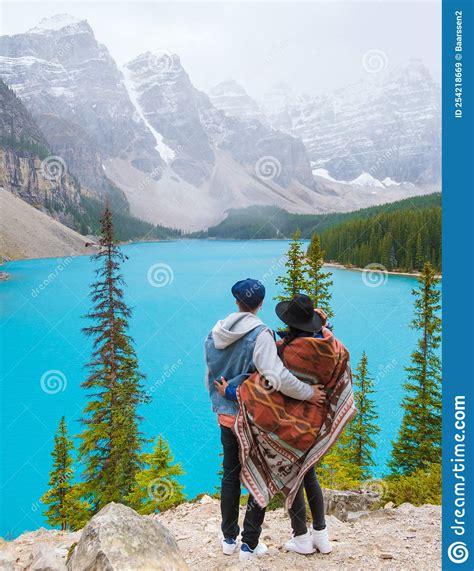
{"type": "Point", "coordinates": [275, 425]}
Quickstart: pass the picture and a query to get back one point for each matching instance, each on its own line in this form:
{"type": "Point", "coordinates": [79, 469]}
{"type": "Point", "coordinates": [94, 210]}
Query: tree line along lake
{"type": "Point", "coordinates": [177, 290]}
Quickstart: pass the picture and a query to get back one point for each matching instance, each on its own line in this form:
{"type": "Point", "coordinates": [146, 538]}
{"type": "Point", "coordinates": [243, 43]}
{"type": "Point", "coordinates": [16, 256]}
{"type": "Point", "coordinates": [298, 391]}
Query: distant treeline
{"type": "Point", "coordinates": [268, 222]}
{"type": "Point", "coordinates": [126, 226]}
{"type": "Point", "coordinates": [401, 240]}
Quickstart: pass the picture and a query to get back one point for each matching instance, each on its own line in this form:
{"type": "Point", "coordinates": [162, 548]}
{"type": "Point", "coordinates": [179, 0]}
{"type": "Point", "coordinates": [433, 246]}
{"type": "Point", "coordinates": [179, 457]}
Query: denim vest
{"type": "Point", "coordinates": [234, 363]}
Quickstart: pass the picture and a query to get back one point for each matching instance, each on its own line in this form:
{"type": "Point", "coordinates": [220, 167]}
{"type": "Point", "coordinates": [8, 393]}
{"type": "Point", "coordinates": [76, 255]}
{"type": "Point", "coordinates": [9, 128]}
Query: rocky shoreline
{"type": "Point", "coordinates": [187, 537]}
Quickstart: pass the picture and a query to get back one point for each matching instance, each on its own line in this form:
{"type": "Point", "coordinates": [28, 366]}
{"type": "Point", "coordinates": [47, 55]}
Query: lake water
{"type": "Point", "coordinates": [42, 307]}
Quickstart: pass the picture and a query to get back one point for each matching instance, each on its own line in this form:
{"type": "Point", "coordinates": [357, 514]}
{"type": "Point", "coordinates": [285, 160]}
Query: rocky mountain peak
{"type": "Point", "coordinates": [58, 23]}
{"type": "Point", "coordinates": [231, 98]}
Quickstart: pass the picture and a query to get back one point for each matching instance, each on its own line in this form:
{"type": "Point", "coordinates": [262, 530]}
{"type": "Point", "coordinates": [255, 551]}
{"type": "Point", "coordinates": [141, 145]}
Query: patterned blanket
{"type": "Point", "coordinates": [281, 438]}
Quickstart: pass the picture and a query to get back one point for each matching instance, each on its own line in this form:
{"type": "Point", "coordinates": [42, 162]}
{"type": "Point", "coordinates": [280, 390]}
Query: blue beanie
{"type": "Point", "coordinates": [249, 292]}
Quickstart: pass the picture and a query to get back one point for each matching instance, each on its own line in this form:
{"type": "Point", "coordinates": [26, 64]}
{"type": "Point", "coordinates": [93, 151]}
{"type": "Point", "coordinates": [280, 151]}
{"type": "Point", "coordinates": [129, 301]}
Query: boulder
{"type": "Point", "coordinates": [118, 539]}
{"type": "Point", "coordinates": [343, 503]}
{"type": "Point", "coordinates": [47, 557]}
{"type": "Point", "coordinates": [8, 557]}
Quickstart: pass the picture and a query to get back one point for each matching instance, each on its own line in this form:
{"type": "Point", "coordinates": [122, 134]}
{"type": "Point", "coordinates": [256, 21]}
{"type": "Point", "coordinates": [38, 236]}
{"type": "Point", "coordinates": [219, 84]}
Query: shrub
{"type": "Point", "coordinates": [421, 487]}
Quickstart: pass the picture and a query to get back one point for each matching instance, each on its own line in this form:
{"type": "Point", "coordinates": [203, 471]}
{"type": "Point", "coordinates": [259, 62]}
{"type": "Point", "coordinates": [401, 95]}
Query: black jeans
{"type": "Point", "coordinates": [230, 496]}
{"type": "Point", "coordinates": [316, 505]}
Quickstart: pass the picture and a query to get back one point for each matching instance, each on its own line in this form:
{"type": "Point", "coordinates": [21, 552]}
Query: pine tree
{"type": "Point", "coordinates": [156, 487]}
{"type": "Point", "coordinates": [419, 257]}
{"type": "Point", "coordinates": [337, 469]}
{"type": "Point", "coordinates": [294, 281]}
{"type": "Point", "coordinates": [363, 427]}
{"type": "Point", "coordinates": [111, 441]}
{"type": "Point", "coordinates": [65, 508]}
{"type": "Point", "coordinates": [318, 282]}
{"type": "Point", "coordinates": [419, 440]}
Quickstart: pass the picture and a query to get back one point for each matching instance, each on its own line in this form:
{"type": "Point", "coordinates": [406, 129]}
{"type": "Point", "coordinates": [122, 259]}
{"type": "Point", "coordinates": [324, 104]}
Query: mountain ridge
{"type": "Point", "coordinates": [145, 131]}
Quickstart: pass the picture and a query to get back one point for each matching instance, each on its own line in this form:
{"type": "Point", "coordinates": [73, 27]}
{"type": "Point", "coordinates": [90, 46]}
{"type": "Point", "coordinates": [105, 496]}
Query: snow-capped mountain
{"type": "Point", "coordinates": [183, 157]}
{"type": "Point", "coordinates": [234, 101]}
{"type": "Point", "coordinates": [75, 91]}
{"type": "Point", "coordinates": [388, 125]}
{"type": "Point", "coordinates": [179, 159]}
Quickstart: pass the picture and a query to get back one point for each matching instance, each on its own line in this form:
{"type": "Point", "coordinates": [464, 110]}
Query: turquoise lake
{"type": "Point", "coordinates": [41, 325]}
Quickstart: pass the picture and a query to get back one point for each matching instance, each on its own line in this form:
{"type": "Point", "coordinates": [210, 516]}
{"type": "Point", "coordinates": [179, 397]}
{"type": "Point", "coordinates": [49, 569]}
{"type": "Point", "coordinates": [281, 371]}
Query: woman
{"type": "Point", "coordinates": [304, 541]}
{"type": "Point", "coordinates": [281, 439]}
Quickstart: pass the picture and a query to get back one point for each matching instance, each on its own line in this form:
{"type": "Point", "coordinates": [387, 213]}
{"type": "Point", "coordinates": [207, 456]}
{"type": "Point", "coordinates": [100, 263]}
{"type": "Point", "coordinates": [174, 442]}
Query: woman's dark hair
{"type": "Point", "coordinates": [288, 337]}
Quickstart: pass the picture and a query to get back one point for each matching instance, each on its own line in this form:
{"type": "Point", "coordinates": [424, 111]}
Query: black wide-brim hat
{"type": "Point", "coordinates": [299, 313]}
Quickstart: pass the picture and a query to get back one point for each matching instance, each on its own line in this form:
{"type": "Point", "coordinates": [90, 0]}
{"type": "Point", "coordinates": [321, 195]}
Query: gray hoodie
{"type": "Point", "coordinates": [265, 355]}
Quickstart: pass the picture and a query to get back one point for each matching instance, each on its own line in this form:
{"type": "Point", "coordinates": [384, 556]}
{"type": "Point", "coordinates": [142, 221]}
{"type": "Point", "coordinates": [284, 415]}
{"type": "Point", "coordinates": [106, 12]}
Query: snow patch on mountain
{"type": "Point", "coordinates": [324, 173]}
{"type": "Point", "coordinates": [166, 153]}
{"type": "Point", "coordinates": [366, 179]}
{"type": "Point", "coordinates": [54, 23]}
{"type": "Point", "coordinates": [387, 181]}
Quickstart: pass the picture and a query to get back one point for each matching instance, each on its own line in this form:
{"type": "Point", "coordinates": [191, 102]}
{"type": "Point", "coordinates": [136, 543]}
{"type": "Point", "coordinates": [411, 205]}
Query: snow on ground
{"type": "Point", "coordinates": [387, 181]}
{"type": "Point", "coordinates": [54, 23]}
{"type": "Point", "coordinates": [366, 179]}
{"type": "Point", "coordinates": [166, 153]}
{"type": "Point", "coordinates": [325, 174]}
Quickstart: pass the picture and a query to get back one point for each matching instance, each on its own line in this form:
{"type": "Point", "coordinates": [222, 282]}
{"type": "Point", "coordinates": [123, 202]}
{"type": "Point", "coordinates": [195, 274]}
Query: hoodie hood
{"type": "Point", "coordinates": [233, 327]}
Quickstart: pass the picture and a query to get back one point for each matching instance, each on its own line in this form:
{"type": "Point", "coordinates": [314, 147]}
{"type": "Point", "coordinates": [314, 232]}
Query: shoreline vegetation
{"type": "Point", "coordinates": [391, 237]}
{"type": "Point", "coordinates": [390, 272]}
{"type": "Point", "coordinates": [4, 276]}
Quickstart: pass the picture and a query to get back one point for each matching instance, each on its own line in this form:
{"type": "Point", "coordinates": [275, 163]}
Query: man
{"type": "Point", "coordinates": [236, 347]}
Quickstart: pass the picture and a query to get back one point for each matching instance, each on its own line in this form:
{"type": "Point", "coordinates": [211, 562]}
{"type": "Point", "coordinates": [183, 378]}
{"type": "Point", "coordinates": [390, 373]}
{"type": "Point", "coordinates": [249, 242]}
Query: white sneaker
{"type": "Point", "coordinates": [229, 546]}
{"type": "Point", "coordinates": [321, 541]}
{"type": "Point", "coordinates": [246, 554]}
{"type": "Point", "coordinates": [301, 544]}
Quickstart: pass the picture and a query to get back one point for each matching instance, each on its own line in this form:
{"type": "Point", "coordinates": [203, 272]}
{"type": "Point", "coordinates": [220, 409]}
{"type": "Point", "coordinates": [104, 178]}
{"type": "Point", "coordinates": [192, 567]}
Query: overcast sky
{"type": "Point", "coordinates": [312, 46]}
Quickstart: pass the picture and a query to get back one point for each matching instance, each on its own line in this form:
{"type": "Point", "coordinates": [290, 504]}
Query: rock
{"type": "Point", "coordinates": [206, 499]}
{"type": "Point", "coordinates": [386, 555]}
{"type": "Point", "coordinates": [9, 557]}
{"type": "Point", "coordinates": [389, 506]}
{"type": "Point", "coordinates": [211, 528]}
{"type": "Point", "coordinates": [47, 558]}
{"type": "Point", "coordinates": [406, 507]}
{"type": "Point", "coordinates": [341, 503]}
{"type": "Point", "coordinates": [354, 516]}
{"type": "Point", "coordinates": [118, 539]}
